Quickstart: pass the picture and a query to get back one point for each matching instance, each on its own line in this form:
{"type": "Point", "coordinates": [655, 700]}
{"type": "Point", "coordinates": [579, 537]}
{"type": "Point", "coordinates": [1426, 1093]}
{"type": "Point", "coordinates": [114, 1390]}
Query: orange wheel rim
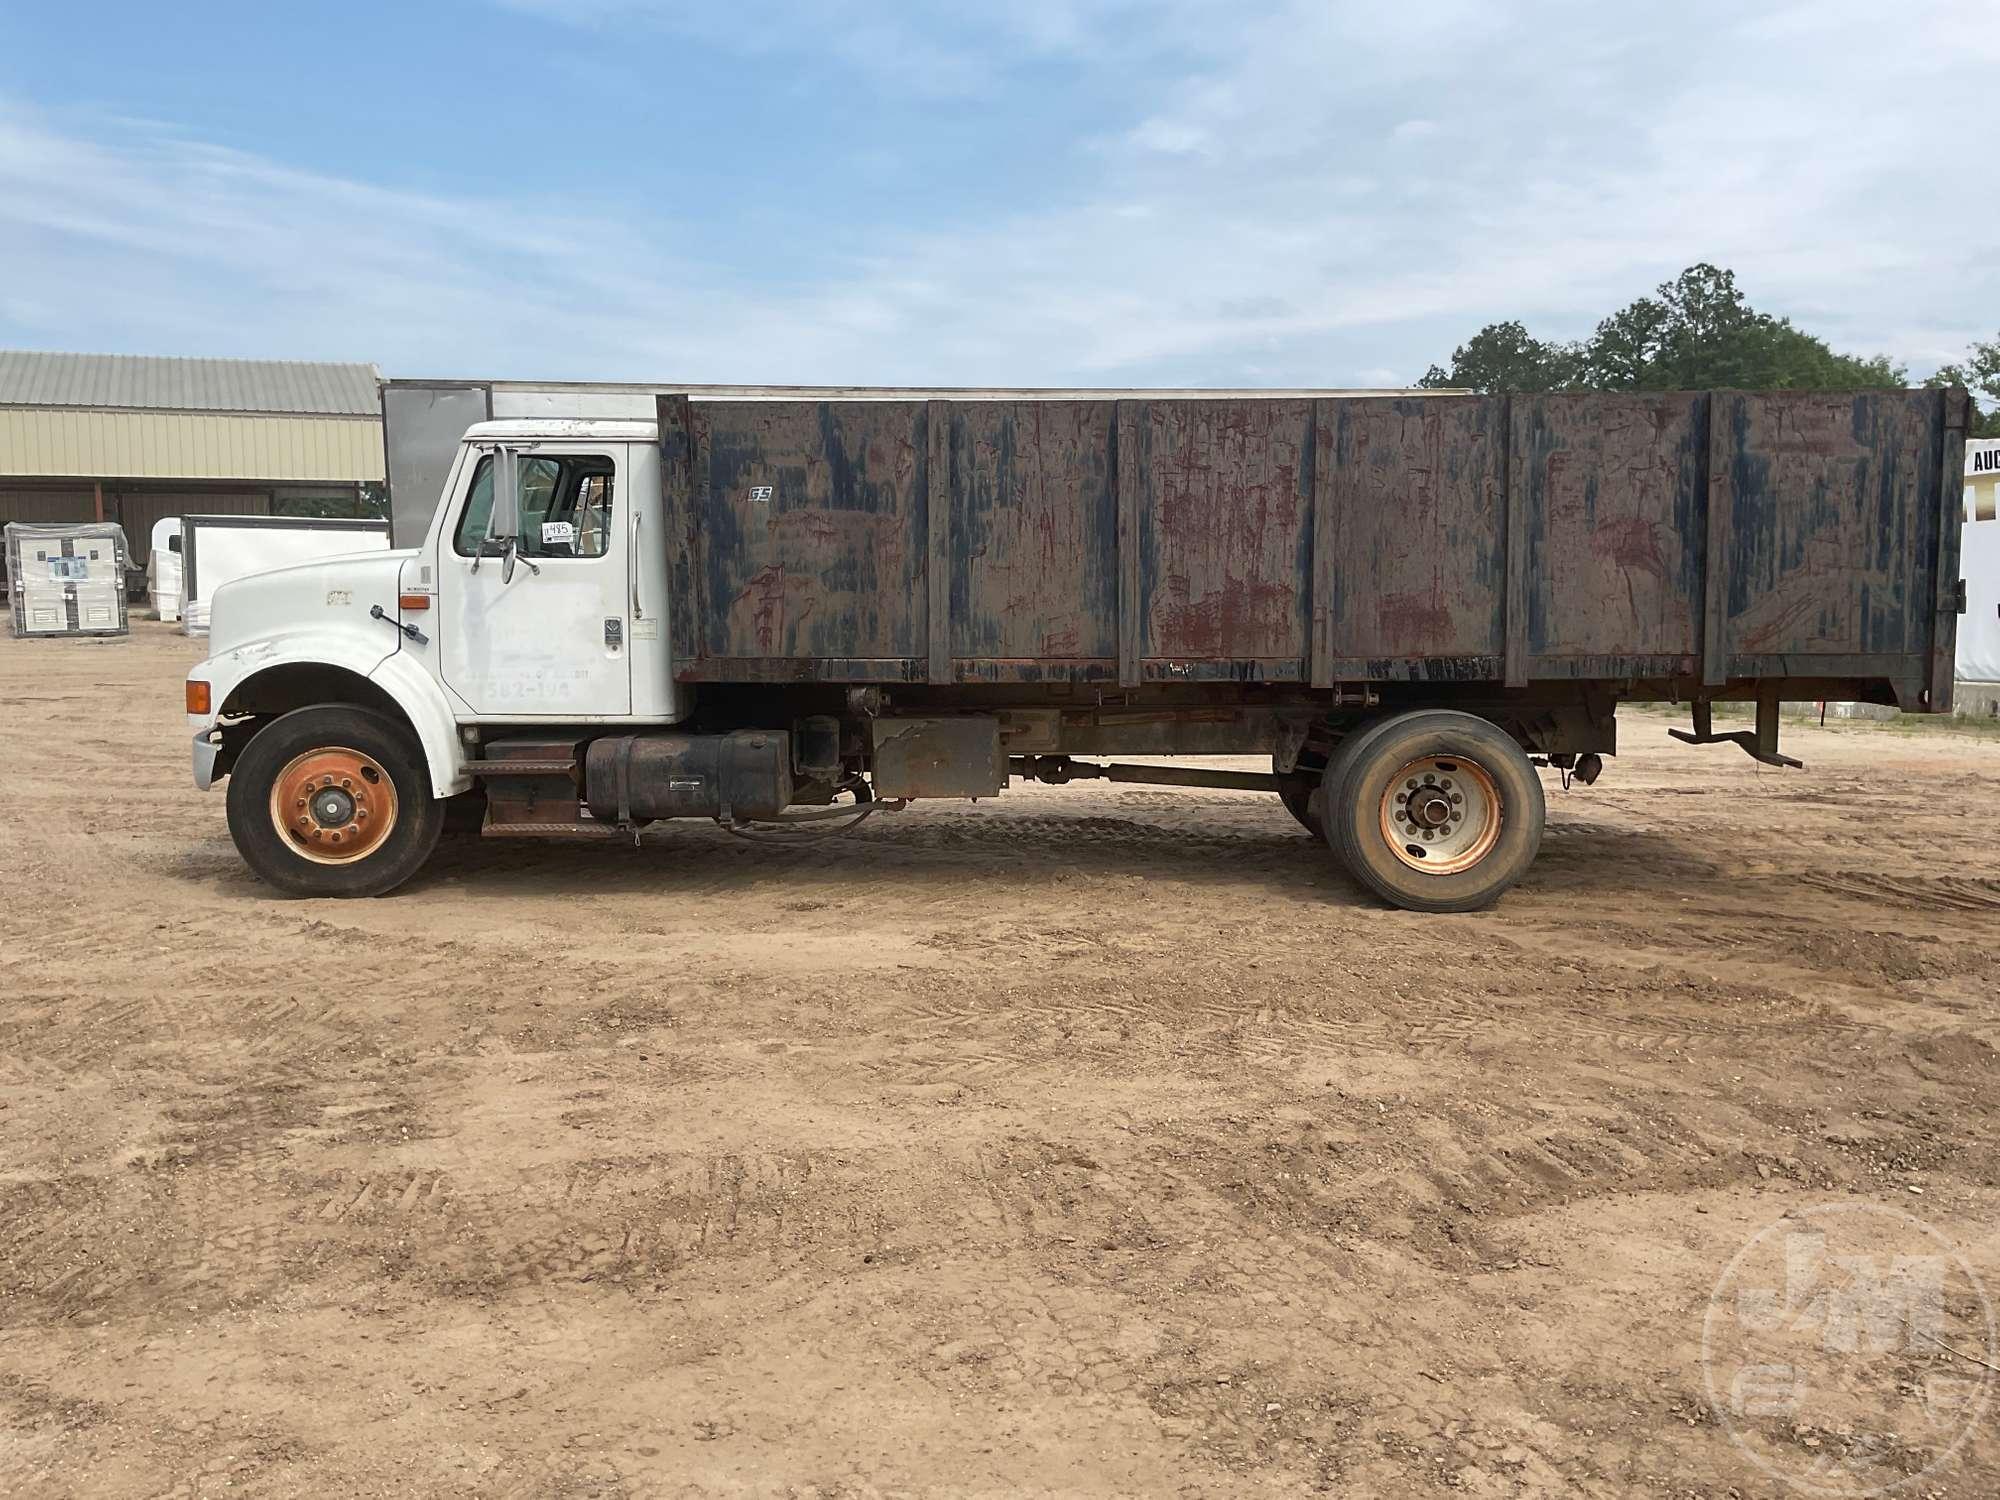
{"type": "Point", "coordinates": [1441, 814]}
{"type": "Point", "coordinates": [333, 806]}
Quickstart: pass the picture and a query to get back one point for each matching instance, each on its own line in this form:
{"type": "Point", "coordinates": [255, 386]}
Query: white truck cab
{"type": "Point", "coordinates": [548, 611]}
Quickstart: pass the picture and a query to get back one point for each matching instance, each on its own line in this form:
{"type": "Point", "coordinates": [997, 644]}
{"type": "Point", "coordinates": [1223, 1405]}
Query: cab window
{"type": "Point", "coordinates": [566, 505]}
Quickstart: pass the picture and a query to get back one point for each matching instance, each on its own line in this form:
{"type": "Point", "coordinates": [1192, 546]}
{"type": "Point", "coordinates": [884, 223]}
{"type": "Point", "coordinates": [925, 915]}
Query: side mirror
{"type": "Point", "coordinates": [504, 520]}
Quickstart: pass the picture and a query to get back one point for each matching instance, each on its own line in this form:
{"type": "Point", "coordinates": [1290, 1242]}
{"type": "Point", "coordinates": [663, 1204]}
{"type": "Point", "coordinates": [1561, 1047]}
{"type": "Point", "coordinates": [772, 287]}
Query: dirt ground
{"type": "Point", "coordinates": [1094, 1141]}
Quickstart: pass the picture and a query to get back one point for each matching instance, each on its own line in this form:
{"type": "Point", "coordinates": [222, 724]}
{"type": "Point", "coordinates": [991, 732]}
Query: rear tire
{"type": "Point", "coordinates": [1326, 784]}
{"type": "Point", "coordinates": [333, 801]}
{"type": "Point", "coordinates": [1299, 791]}
{"type": "Point", "coordinates": [1435, 811]}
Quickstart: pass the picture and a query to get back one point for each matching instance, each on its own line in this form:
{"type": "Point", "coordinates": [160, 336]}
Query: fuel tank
{"type": "Point", "coordinates": [744, 774]}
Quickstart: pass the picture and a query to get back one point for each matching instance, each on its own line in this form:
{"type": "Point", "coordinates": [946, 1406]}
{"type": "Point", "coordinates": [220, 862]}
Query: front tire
{"type": "Point", "coordinates": [1436, 811]}
{"type": "Point", "coordinates": [333, 801]}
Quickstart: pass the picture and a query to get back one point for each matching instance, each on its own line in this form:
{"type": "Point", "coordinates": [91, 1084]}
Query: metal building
{"type": "Point", "coordinates": [102, 437]}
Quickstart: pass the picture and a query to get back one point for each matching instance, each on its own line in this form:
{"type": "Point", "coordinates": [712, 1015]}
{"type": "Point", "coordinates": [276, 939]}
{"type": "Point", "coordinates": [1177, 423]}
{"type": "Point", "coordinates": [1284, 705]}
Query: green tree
{"type": "Point", "coordinates": [1503, 357]}
{"type": "Point", "coordinates": [1695, 332]}
{"type": "Point", "coordinates": [369, 501]}
{"type": "Point", "coordinates": [1979, 373]}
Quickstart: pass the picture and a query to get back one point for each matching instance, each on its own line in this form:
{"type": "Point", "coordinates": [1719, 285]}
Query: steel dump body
{"type": "Point", "coordinates": [1693, 542]}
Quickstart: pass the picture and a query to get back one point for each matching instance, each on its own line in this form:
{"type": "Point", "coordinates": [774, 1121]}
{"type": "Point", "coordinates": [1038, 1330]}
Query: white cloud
{"type": "Point", "coordinates": [1306, 194]}
{"type": "Point", "coordinates": [1173, 137]}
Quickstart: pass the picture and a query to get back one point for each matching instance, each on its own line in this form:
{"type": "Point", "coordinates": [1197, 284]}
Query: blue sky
{"type": "Point", "coordinates": [1097, 192]}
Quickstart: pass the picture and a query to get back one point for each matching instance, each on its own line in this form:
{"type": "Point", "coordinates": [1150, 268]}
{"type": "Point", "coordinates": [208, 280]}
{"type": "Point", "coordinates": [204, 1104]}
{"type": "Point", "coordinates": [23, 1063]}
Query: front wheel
{"type": "Point", "coordinates": [333, 801]}
{"type": "Point", "coordinates": [1436, 811]}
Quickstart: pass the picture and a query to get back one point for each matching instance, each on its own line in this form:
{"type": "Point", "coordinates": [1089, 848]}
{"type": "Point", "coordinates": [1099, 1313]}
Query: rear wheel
{"type": "Point", "coordinates": [1299, 791]}
{"type": "Point", "coordinates": [333, 801]}
{"type": "Point", "coordinates": [1435, 811]}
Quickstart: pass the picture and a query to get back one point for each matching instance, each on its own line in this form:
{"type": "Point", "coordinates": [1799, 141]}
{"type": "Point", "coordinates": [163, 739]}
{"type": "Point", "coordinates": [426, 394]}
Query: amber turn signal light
{"type": "Point", "coordinates": [197, 695]}
{"type": "Point", "coordinates": [414, 601]}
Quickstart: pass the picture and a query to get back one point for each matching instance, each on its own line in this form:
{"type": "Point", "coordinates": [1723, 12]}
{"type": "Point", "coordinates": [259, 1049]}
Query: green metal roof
{"type": "Point", "coordinates": [126, 382]}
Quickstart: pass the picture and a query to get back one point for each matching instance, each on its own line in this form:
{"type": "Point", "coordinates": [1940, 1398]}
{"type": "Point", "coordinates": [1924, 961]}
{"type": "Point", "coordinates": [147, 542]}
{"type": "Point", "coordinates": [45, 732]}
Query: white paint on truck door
{"type": "Point", "coordinates": [554, 643]}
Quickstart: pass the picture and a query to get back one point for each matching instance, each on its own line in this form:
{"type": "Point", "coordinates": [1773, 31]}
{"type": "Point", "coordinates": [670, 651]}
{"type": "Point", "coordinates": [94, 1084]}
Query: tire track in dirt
{"type": "Point", "coordinates": [1924, 893]}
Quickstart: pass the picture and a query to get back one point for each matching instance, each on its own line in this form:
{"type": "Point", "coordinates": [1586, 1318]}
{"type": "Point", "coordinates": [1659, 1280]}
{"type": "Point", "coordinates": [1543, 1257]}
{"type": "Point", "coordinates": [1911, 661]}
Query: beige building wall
{"type": "Point", "coordinates": [54, 441]}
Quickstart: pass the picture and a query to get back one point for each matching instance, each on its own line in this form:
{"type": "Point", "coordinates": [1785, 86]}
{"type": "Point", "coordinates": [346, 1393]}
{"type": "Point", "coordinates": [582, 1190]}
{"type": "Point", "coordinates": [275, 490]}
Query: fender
{"type": "Point", "coordinates": [365, 655]}
{"type": "Point", "coordinates": [423, 702]}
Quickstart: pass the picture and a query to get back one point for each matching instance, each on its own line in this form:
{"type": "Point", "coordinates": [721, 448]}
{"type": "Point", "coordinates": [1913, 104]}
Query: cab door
{"type": "Point", "coordinates": [552, 642]}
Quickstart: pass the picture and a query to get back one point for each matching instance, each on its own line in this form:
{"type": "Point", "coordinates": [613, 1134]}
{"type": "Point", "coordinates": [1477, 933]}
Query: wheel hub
{"type": "Point", "coordinates": [1441, 814]}
{"type": "Point", "coordinates": [334, 805]}
{"type": "Point", "coordinates": [1429, 807]}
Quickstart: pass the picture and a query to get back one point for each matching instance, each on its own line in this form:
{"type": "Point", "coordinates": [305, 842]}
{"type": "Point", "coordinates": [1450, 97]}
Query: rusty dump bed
{"type": "Point", "coordinates": [1681, 544]}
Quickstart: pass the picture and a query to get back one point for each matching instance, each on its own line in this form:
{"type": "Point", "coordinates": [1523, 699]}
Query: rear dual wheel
{"type": "Point", "coordinates": [1433, 811]}
{"type": "Point", "coordinates": [1299, 790]}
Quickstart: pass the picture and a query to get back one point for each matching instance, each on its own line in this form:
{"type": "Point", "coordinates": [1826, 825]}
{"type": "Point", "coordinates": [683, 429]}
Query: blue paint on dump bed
{"type": "Point", "coordinates": [1713, 536]}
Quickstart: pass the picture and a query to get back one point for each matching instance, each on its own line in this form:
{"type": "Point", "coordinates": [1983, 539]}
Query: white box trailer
{"type": "Point", "coordinates": [67, 580]}
{"type": "Point", "coordinates": [216, 549]}
{"type": "Point", "coordinates": [1979, 565]}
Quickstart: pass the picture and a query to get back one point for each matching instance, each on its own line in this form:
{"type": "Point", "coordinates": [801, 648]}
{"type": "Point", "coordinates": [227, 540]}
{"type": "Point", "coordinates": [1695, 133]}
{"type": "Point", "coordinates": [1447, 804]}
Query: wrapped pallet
{"type": "Point", "coordinates": [67, 580]}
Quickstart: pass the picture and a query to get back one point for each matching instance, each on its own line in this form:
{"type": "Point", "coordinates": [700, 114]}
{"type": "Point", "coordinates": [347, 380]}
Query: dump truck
{"type": "Point", "coordinates": [788, 613]}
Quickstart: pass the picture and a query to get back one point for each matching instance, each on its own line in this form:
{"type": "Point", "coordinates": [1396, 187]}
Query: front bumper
{"type": "Point", "coordinates": [206, 753]}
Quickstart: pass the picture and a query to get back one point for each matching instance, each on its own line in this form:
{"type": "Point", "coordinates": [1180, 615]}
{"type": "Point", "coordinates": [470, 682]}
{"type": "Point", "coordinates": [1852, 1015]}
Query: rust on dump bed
{"type": "Point", "coordinates": [1702, 537]}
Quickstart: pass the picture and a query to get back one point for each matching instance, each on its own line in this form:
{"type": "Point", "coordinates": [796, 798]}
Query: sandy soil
{"type": "Point", "coordinates": [1095, 1141]}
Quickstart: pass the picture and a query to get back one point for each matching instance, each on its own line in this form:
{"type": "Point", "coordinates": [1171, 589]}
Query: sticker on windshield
{"type": "Point", "coordinates": [558, 533]}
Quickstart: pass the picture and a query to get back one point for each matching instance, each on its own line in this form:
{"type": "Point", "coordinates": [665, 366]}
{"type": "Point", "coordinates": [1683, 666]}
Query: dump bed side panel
{"type": "Point", "coordinates": [1684, 537]}
{"type": "Point", "coordinates": [1612, 493]}
{"type": "Point", "coordinates": [1413, 536]}
{"type": "Point", "coordinates": [1825, 517]}
{"type": "Point", "coordinates": [812, 523]}
{"type": "Point", "coordinates": [1033, 533]}
{"type": "Point", "coordinates": [1224, 534]}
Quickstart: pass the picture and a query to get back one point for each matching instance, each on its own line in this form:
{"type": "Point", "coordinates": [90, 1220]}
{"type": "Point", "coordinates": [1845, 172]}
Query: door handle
{"type": "Point", "coordinates": [632, 562]}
